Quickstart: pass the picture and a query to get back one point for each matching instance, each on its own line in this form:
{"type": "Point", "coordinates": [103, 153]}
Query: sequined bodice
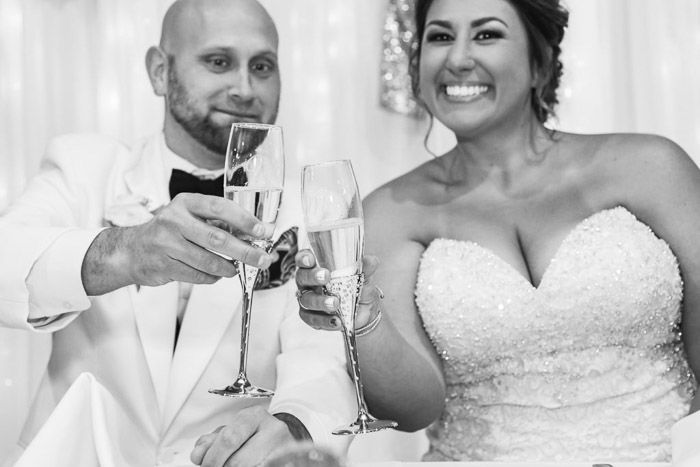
{"type": "Point", "coordinates": [589, 365]}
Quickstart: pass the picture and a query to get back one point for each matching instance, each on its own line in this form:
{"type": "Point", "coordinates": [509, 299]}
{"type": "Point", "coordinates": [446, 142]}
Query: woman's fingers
{"type": "Point", "coordinates": [315, 300]}
{"type": "Point", "coordinates": [320, 320]}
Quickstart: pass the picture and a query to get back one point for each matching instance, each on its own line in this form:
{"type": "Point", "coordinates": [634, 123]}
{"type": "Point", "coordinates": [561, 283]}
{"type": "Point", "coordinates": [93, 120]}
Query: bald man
{"type": "Point", "coordinates": [119, 262]}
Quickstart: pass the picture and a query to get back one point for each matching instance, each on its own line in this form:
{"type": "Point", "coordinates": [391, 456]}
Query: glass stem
{"type": "Point", "coordinates": [248, 275]}
{"type": "Point", "coordinates": [351, 350]}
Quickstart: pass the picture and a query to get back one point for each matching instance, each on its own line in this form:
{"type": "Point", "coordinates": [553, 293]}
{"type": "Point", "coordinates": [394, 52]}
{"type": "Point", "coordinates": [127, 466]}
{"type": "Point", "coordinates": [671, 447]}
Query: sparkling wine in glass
{"type": "Point", "coordinates": [333, 217]}
{"type": "Point", "coordinates": [254, 177]}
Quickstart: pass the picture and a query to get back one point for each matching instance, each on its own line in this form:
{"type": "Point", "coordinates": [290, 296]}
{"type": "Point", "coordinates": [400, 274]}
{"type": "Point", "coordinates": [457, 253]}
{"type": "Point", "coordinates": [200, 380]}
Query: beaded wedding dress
{"type": "Point", "coordinates": [589, 365]}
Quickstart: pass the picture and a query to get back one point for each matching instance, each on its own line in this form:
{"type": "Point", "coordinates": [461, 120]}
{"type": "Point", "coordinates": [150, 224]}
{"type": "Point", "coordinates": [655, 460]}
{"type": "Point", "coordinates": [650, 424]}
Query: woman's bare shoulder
{"type": "Point", "coordinates": [624, 148]}
{"type": "Point", "coordinates": [401, 210]}
{"type": "Point", "coordinates": [631, 156]}
{"type": "Point", "coordinates": [407, 190]}
{"type": "Point", "coordinates": [640, 171]}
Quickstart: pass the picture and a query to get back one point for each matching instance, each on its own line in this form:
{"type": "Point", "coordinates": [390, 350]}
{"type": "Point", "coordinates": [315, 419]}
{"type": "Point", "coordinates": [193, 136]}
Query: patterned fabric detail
{"type": "Point", "coordinates": [284, 268]}
{"type": "Point", "coordinates": [588, 366]}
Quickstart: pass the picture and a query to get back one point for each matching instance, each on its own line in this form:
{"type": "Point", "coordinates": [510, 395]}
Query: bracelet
{"type": "Point", "coordinates": [369, 327]}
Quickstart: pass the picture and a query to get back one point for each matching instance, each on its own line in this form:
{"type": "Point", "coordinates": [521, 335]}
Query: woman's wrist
{"type": "Point", "coordinates": [371, 324]}
{"type": "Point", "coordinates": [374, 304]}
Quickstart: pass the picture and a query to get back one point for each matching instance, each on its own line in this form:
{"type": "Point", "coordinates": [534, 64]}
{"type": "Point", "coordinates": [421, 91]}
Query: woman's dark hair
{"type": "Point", "coordinates": [544, 21]}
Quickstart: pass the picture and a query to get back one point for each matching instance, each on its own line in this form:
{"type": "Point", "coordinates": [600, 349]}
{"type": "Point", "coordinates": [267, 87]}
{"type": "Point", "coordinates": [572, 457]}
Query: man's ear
{"type": "Point", "coordinates": [157, 68]}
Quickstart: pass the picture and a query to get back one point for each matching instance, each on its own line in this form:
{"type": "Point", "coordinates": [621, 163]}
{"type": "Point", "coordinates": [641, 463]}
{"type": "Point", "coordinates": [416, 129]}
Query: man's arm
{"type": "Point", "coordinates": [177, 244]}
{"type": "Point", "coordinates": [45, 232]}
{"type": "Point", "coordinates": [313, 389]}
{"type": "Point", "coordinates": [57, 254]}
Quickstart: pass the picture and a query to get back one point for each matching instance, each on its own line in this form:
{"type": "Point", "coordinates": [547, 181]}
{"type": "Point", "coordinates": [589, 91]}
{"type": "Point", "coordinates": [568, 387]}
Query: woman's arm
{"type": "Point", "coordinates": [400, 368]}
{"type": "Point", "coordinates": [662, 188]}
{"type": "Point", "coordinates": [401, 372]}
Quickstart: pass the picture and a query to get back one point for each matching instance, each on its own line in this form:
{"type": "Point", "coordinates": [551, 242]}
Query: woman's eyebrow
{"type": "Point", "coordinates": [481, 21]}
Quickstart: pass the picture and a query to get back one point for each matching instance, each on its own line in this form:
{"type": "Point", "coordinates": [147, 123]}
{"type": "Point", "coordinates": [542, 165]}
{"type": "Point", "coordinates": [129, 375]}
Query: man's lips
{"type": "Point", "coordinates": [240, 116]}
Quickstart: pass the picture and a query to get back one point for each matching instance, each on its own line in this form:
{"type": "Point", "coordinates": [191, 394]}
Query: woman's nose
{"type": "Point", "coordinates": [460, 58]}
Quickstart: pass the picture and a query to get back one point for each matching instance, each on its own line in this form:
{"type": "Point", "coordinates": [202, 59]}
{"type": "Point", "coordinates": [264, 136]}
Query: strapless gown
{"type": "Point", "coordinates": [589, 365]}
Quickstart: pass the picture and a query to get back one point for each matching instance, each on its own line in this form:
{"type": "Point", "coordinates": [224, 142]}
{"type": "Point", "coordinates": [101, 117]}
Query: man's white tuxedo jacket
{"type": "Point", "coordinates": [125, 338]}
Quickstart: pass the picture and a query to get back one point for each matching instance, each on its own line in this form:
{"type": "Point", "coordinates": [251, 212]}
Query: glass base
{"type": "Point", "coordinates": [368, 425]}
{"type": "Point", "coordinates": [242, 388]}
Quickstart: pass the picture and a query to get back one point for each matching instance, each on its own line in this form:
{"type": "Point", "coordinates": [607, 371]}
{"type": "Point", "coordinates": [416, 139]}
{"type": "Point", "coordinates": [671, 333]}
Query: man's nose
{"type": "Point", "coordinates": [241, 87]}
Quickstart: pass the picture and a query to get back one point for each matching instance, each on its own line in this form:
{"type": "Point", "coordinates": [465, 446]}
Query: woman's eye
{"type": "Point", "coordinates": [488, 35]}
{"type": "Point", "coordinates": [437, 37]}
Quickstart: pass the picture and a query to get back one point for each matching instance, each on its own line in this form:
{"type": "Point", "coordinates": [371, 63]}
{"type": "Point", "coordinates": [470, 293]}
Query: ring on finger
{"type": "Point", "coordinates": [300, 295]}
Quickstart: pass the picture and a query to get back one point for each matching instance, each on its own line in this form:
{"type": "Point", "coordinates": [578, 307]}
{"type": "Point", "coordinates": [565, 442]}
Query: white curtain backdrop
{"type": "Point", "coordinates": [77, 66]}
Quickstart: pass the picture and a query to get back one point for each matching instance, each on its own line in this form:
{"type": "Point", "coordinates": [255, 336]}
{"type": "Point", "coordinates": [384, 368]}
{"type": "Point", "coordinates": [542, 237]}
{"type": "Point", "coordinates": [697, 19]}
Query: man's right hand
{"type": "Point", "coordinates": [175, 246]}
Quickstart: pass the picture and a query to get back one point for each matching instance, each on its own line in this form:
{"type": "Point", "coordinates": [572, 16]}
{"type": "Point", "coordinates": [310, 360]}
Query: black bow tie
{"type": "Point", "coordinates": [183, 182]}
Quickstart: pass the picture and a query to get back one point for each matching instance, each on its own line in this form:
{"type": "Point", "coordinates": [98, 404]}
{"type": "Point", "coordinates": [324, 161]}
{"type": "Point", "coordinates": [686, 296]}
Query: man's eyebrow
{"type": "Point", "coordinates": [215, 50]}
{"type": "Point", "coordinates": [232, 52]}
{"type": "Point", "coordinates": [267, 54]}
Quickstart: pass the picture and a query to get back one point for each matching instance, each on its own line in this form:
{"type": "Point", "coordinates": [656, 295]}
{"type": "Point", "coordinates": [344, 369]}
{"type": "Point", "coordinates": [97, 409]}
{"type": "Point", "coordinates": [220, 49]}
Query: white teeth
{"type": "Point", "coordinates": [465, 91]}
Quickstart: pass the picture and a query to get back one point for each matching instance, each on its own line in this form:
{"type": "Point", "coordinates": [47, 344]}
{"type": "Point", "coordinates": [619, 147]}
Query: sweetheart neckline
{"type": "Point", "coordinates": [569, 234]}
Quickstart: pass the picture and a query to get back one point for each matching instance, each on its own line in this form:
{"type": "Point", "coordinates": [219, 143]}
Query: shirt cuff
{"type": "Point", "coordinates": [319, 426]}
{"type": "Point", "coordinates": [322, 402]}
{"type": "Point", "coordinates": [54, 283]}
{"type": "Point", "coordinates": [294, 425]}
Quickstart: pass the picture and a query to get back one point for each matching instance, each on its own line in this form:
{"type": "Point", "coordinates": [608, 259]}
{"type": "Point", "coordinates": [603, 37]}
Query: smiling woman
{"type": "Point", "coordinates": [534, 313]}
{"type": "Point", "coordinates": [452, 46]}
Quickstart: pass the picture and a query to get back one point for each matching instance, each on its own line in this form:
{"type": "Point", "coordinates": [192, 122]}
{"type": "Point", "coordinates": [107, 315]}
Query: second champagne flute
{"type": "Point", "coordinates": [333, 216]}
{"type": "Point", "coordinates": [254, 177]}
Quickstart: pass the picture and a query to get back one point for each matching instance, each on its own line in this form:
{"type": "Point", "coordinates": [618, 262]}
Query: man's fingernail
{"type": "Point", "coordinates": [258, 230]}
{"type": "Point", "coordinates": [306, 261]}
{"type": "Point", "coordinates": [321, 275]}
{"type": "Point", "coordinates": [264, 262]}
{"type": "Point", "coordinates": [329, 302]}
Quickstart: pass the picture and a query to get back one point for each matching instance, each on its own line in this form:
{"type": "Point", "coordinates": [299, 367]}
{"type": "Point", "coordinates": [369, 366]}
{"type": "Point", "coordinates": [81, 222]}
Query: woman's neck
{"type": "Point", "coordinates": [501, 156]}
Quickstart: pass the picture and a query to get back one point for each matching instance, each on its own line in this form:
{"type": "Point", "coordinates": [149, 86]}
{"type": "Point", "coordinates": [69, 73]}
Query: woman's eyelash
{"type": "Point", "coordinates": [489, 34]}
{"type": "Point", "coordinates": [437, 36]}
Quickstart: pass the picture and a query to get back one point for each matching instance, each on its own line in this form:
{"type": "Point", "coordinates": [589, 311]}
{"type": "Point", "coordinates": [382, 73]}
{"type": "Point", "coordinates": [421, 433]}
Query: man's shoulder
{"type": "Point", "coordinates": [86, 146]}
{"type": "Point", "coordinates": [90, 152]}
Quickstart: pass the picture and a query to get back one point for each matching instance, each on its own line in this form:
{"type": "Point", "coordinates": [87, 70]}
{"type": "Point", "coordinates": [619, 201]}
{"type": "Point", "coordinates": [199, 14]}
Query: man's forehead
{"type": "Point", "coordinates": [238, 24]}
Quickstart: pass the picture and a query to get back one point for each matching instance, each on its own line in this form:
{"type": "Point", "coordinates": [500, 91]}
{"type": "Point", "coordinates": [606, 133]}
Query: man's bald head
{"type": "Point", "coordinates": [216, 64]}
{"type": "Point", "coordinates": [185, 19]}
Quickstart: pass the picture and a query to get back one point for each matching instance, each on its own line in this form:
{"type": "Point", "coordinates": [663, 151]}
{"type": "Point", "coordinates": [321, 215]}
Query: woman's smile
{"type": "Point", "coordinates": [464, 92]}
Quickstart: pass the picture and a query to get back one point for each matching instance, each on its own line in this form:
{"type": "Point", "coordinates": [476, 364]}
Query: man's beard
{"type": "Point", "coordinates": [200, 127]}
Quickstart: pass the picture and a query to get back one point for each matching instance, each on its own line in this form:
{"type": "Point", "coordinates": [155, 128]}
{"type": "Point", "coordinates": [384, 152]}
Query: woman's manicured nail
{"type": "Point", "coordinates": [329, 303]}
{"type": "Point", "coordinates": [322, 275]}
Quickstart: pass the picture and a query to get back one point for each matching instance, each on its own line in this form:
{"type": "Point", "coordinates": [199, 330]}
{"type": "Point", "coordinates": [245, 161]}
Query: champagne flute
{"type": "Point", "coordinates": [254, 177]}
{"type": "Point", "coordinates": [333, 216]}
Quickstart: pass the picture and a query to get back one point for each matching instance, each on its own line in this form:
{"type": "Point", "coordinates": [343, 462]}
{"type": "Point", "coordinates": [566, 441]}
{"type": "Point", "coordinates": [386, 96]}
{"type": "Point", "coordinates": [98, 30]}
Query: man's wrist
{"type": "Point", "coordinates": [296, 428]}
{"type": "Point", "coordinates": [103, 267]}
